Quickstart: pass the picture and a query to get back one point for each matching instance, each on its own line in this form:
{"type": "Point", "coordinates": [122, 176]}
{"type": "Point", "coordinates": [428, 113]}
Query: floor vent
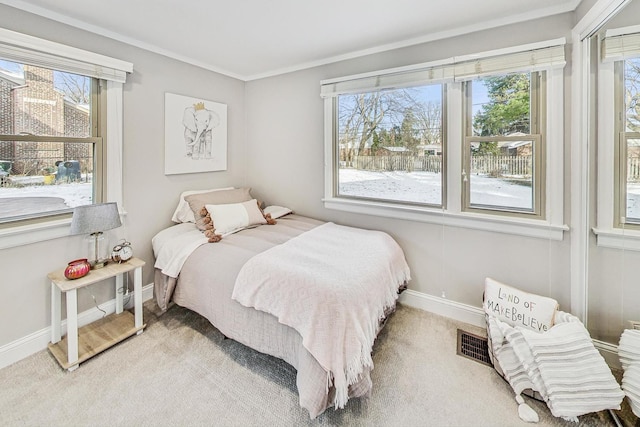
{"type": "Point", "coordinates": [473, 347]}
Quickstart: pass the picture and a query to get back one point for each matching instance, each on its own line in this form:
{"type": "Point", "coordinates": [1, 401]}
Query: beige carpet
{"type": "Point", "coordinates": [181, 372]}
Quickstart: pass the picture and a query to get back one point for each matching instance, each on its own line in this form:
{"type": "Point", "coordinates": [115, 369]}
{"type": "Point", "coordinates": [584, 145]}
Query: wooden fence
{"type": "Point", "coordinates": [501, 165]}
{"type": "Point", "coordinates": [398, 163]}
{"type": "Point", "coordinates": [633, 169]}
{"type": "Point", "coordinates": [483, 165]}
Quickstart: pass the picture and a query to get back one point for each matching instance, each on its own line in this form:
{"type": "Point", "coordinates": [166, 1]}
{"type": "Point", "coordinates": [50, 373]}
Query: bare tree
{"type": "Point", "coordinates": [632, 95]}
{"type": "Point", "coordinates": [429, 118]}
{"type": "Point", "coordinates": [362, 115]}
{"type": "Point", "coordinates": [75, 87]}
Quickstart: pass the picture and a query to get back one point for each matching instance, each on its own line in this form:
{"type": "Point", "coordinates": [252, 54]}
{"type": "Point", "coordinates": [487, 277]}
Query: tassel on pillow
{"type": "Point", "coordinates": [209, 232]}
{"type": "Point", "coordinates": [212, 236]}
{"type": "Point", "coordinates": [267, 217]}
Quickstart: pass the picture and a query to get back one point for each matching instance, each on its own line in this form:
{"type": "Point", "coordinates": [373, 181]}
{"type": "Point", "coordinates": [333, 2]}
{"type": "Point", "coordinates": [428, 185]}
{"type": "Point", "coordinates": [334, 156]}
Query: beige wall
{"type": "Point", "coordinates": [149, 195]}
{"type": "Point", "coordinates": [285, 138]}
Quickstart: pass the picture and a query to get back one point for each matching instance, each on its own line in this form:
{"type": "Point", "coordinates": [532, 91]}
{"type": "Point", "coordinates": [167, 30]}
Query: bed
{"type": "Point", "coordinates": [204, 277]}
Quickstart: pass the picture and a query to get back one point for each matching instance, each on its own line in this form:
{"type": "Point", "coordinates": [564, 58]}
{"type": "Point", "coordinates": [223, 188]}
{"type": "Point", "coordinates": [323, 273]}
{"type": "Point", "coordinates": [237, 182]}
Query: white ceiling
{"type": "Point", "coordinates": [250, 39]}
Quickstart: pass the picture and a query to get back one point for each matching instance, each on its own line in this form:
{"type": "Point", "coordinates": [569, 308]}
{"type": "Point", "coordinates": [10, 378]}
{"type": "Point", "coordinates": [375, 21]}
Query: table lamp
{"type": "Point", "coordinates": [93, 220]}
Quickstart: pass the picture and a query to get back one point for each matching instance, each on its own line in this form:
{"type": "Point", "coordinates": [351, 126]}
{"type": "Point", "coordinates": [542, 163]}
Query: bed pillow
{"type": "Point", "coordinates": [198, 201]}
{"type": "Point", "coordinates": [276, 211]}
{"type": "Point", "coordinates": [518, 308]}
{"type": "Point", "coordinates": [183, 212]}
{"type": "Point", "coordinates": [235, 216]}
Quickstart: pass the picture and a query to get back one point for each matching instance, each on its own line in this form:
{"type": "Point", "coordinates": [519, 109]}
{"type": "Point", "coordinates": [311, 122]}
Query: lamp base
{"type": "Point", "coordinates": [99, 263]}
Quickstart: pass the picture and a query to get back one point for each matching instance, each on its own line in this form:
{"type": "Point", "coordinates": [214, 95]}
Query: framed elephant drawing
{"type": "Point", "coordinates": [195, 135]}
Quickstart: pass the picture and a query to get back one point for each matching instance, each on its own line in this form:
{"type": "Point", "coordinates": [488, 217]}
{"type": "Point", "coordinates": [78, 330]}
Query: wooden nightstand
{"type": "Point", "coordinates": [79, 345]}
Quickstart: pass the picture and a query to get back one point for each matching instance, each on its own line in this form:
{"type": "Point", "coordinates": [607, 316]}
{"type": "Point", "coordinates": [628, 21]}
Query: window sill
{"type": "Point", "coordinates": [498, 224]}
{"type": "Point", "coordinates": [20, 235]}
{"type": "Point", "coordinates": [25, 234]}
{"type": "Point", "coordinates": [618, 239]}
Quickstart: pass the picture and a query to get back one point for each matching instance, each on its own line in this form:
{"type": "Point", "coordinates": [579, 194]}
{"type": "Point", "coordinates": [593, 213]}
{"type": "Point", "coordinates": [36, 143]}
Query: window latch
{"type": "Point", "coordinates": [464, 176]}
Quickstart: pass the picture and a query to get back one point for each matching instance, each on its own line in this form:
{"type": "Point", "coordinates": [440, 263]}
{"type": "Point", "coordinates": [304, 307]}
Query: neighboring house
{"type": "Point", "coordinates": [397, 150]}
{"type": "Point", "coordinates": [37, 107]}
{"type": "Point", "coordinates": [429, 150]}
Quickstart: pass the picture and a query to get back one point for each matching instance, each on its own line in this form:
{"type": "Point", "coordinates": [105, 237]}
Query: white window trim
{"type": "Point", "coordinates": [52, 229]}
{"type": "Point", "coordinates": [607, 235]}
{"type": "Point", "coordinates": [552, 227]}
{"type": "Point", "coordinates": [23, 48]}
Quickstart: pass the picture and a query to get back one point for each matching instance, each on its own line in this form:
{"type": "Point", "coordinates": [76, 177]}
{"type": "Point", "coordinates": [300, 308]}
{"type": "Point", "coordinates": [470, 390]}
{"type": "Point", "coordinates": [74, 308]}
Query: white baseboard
{"type": "Point", "coordinates": [475, 316]}
{"type": "Point", "coordinates": [37, 341]}
{"type": "Point", "coordinates": [609, 353]}
{"type": "Point", "coordinates": [444, 307]}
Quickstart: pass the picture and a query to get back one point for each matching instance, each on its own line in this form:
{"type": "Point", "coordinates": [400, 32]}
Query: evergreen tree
{"type": "Point", "coordinates": [508, 109]}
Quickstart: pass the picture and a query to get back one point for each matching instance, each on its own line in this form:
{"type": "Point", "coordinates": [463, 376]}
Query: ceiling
{"type": "Point", "coordinates": [251, 39]}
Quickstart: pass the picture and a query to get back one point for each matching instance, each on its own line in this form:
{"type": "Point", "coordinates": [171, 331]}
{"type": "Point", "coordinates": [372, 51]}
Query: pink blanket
{"type": "Point", "coordinates": [332, 284]}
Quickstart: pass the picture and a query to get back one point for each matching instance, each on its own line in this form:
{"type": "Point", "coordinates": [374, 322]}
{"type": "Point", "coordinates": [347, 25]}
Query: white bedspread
{"type": "Point", "coordinates": [172, 246]}
{"type": "Point", "coordinates": [332, 284]}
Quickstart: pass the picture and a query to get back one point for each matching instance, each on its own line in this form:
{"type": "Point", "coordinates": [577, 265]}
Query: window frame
{"type": "Point", "coordinates": [621, 151]}
{"type": "Point", "coordinates": [536, 135]}
{"type": "Point", "coordinates": [611, 228]}
{"type": "Point", "coordinates": [550, 225]}
{"type": "Point", "coordinates": [336, 157]}
{"type": "Point", "coordinates": [111, 74]}
{"type": "Point", "coordinates": [96, 130]}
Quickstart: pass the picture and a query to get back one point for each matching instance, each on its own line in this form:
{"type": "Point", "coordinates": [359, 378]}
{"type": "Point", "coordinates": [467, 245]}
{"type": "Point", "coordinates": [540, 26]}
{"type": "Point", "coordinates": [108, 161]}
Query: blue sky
{"type": "Point", "coordinates": [10, 66]}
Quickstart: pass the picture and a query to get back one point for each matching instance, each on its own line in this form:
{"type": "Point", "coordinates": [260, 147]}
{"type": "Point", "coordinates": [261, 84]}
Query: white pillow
{"type": "Point", "coordinates": [183, 212]}
{"type": "Point", "coordinates": [235, 216]}
{"type": "Point", "coordinates": [518, 308]}
{"type": "Point", "coordinates": [277, 211]}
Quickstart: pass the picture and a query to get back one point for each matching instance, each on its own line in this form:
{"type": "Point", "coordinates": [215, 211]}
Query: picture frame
{"type": "Point", "coordinates": [195, 135]}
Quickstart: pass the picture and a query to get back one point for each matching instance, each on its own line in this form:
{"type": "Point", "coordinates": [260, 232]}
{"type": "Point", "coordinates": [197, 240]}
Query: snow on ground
{"type": "Point", "coordinates": [74, 194]}
{"type": "Point", "coordinates": [417, 187]}
{"type": "Point", "coordinates": [633, 200]}
{"type": "Point", "coordinates": [425, 187]}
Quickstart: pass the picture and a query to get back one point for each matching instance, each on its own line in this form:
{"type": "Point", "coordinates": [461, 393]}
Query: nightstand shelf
{"type": "Point", "coordinates": [81, 344]}
{"type": "Point", "coordinates": [96, 337]}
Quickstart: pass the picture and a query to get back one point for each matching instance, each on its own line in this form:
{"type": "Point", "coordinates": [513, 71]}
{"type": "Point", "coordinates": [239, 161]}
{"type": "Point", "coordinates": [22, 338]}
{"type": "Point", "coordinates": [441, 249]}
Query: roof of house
{"type": "Point", "coordinates": [396, 149]}
{"type": "Point", "coordinates": [14, 78]}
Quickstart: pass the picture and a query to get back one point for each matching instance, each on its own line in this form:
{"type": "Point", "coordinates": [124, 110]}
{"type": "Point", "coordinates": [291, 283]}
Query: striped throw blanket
{"type": "Point", "coordinates": [629, 353]}
{"type": "Point", "coordinates": [561, 364]}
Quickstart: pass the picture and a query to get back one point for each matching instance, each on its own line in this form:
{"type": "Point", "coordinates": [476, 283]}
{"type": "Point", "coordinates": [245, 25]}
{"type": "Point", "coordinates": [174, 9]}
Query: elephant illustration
{"type": "Point", "coordinates": [198, 130]}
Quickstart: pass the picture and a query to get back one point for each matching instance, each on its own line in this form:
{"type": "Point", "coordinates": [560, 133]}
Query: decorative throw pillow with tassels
{"type": "Point", "coordinates": [225, 219]}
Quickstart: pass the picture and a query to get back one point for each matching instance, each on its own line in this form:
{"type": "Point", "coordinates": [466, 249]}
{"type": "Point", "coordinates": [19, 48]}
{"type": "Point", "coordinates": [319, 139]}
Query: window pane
{"type": "Point", "coordinates": [44, 177]}
{"type": "Point", "coordinates": [632, 94]}
{"type": "Point", "coordinates": [501, 175]}
{"type": "Point", "coordinates": [390, 145]}
{"type": "Point", "coordinates": [633, 179]}
{"type": "Point", "coordinates": [632, 126]}
{"type": "Point", "coordinates": [501, 105]}
{"type": "Point", "coordinates": [40, 176]}
{"type": "Point", "coordinates": [43, 102]}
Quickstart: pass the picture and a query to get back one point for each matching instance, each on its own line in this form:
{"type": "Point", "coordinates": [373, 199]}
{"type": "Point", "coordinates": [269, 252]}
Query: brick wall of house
{"type": "Point", "coordinates": [76, 123]}
{"type": "Point", "coordinates": [40, 109]}
{"type": "Point", "coordinates": [6, 118]}
{"type": "Point", "coordinates": [76, 120]}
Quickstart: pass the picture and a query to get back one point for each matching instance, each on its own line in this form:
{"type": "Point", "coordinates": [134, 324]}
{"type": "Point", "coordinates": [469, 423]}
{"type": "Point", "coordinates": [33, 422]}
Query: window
{"type": "Point", "coordinates": [627, 87]}
{"type": "Point", "coordinates": [503, 148]}
{"type": "Point", "coordinates": [461, 141]}
{"type": "Point", "coordinates": [60, 127]}
{"type": "Point", "coordinates": [618, 213]}
{"type": "Point", "coordinates": [50, 143]}
{"type": "Point", "coordinates": [390, 145]}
